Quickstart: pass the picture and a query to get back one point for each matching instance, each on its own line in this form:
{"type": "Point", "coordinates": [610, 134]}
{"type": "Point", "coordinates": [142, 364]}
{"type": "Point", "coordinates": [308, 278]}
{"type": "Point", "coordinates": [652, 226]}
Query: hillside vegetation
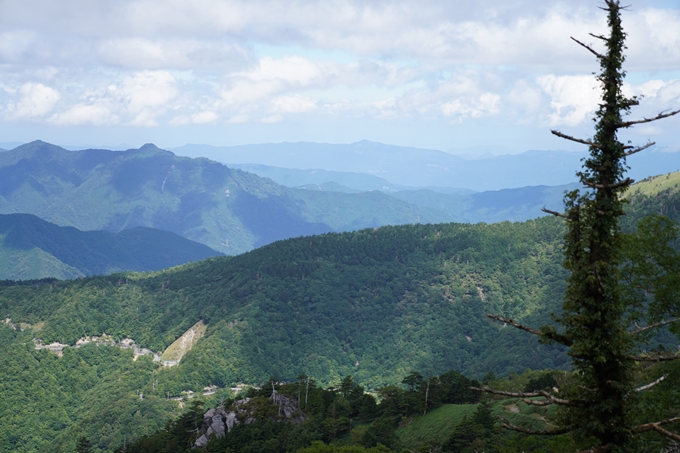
{"type": "Point", "coordinates": [375, 304]}
{"type": "Point", "coordinates": [31, 248]}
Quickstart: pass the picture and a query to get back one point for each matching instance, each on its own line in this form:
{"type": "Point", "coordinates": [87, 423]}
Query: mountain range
{"type": "Point", "coordinates": [229, 210]}
{"type": "Point", "coordinates": [427, 168]}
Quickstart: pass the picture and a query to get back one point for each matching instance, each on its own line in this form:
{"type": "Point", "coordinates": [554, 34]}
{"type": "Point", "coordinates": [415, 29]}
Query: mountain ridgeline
{"type": "Point", "coordinates": [229, 210]}
{"type": "Point", "coordinates": [31, 248]}
{"type": "Point", "coordinates": [406, 166]}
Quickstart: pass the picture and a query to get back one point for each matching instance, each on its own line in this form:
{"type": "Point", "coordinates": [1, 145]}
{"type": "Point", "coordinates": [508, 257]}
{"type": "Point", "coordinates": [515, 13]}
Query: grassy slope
{"type": "Point", "coordinates": [655, 184]}
{"type": "Point", "coordinates": [435, 427]}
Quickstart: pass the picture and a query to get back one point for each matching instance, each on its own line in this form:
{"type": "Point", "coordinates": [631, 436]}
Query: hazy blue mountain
{"type": "Point", "coordinates": [338, 181]}
{"type": "Point", "coordinates": [488, 206]}
{"type": "Point", "coordinates": [32, 248]}
{"type": "Point", "coordinates": [330, 186]}
{"type": "Point", "coordinates": [424, 167]}
{"type": "Point", "coordinates": [293, 177]}
{"type": "Point", "coordinates": [227, 209]}
{"type": "Point", "coordinates": [491, 206]}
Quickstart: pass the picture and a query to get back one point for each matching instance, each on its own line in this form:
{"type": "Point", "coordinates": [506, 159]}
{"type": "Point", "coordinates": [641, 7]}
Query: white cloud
{"type": "Point", "coordinates": [36, 101]}
{"type": "Point", "coordinates": [647, 89]}
{"type": "Point", "coordinates": [142, 53]}
{"type": "Point", "coordinates": [485, 105]}
{"type": "Point", "coordinates": [80, 114]}
{"type": "Point", "coordinates": [15, 44]}
{"type": "Point", "coordinates": [292, 104]}
{"type": "Point", "coordinates": [573, 98]}
{"type": "Point", "coordinates": [146, 95]}
{"type": "Point", "coordinates": [204, 117]}
{"type": "Point", "coordinates": [173, 63]}
{"type": "Point", "coordinates": [294, 70]}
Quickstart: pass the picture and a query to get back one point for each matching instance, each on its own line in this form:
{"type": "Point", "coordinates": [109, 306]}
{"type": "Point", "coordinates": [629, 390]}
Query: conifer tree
{"type": "Point", "coordinates": [594, 321]}
{"type": "Point", "coordinates": [83, 445]}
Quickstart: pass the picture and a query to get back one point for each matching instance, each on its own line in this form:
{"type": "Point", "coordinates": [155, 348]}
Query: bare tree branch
{"type": "Point", "coordinates": [653, 358]}
{"type": "Point", "coordinates": [551, 335]}
{"type": "Point", "coordinates": [550, 397]}
{"type": "Point", "coordinates": [638, 149]}
{"type": "Point", "coordinates": [504, 393]}
{"type": "Point", "coordinates": [514, 324]}
{"type": "Point", "coordinates": [648, 120]}
{"type": "Point", "coordinates": [597, 54]}
{"type": "Point", "coordinates": [573, 139]}
{"type": "Point", "coordinates": [538, 402]}
{"type": "Point", "coordinates": [598, 36]}
{"type": "Point", "coordinates": [666, 433]}
{"type": "Point", "coordinates": [557, 214]}
{"type": "Point", "coordinates": [651, 384]}
{"type": "Point", "coordinates": [508, 425]}
{"type": "Point", "coordinates": [656, 426]}
{"type": "Point", "coordinates": [610, 186]}
{"type": "Point", "coordinates": [653, 326]}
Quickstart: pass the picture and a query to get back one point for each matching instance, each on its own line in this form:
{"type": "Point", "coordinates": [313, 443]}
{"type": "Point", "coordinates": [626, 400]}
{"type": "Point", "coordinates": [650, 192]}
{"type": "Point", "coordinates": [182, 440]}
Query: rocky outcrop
{"type": "Point", "coordinates": [103, 340]}
{"type": "Point", "coordinates": [219, 421]}
{"type": "Point", "coordinates": [288, 407]}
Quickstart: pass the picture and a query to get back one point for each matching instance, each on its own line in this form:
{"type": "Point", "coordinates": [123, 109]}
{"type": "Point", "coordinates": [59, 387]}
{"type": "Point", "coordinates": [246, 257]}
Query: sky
{"type": "Point", "coordinates": [468, 77]}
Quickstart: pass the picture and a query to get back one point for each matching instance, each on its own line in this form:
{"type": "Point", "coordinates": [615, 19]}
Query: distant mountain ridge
{"type": "Point", "coordinates": [32, 248]}
{"type": "Point", "coordinates": [425, 167]}
{"type": "Point", "coordinates": [227, 209]}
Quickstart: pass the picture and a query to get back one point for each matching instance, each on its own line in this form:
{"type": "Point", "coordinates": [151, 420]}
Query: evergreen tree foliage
{"type": "Point", "coordinates": [600, 409]}
{"type": "Point", "coordinates": [83, 445]}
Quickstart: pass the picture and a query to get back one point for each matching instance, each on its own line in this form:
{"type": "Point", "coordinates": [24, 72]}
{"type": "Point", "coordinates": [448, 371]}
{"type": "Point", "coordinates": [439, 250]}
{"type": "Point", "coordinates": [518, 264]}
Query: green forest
{"type": "Point", "coordinates": [376, 304]}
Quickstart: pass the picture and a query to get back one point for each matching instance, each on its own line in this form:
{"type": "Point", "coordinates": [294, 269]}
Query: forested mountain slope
{"type": "Point", "coordinates": [31, 248]}
{"type": "Point", "coordinates": [229, 210]}
{"type": "Point", "coordinates": [376, 304]}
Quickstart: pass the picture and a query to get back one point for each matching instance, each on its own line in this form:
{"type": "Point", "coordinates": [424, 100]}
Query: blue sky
{"type": "Point", "coordinates": [456, 75]}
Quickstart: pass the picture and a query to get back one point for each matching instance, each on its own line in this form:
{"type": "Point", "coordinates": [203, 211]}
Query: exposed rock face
{"type": "Point", "coordinates": [218, 421]}
{"type": "Point", "coordinates": [288, 407]}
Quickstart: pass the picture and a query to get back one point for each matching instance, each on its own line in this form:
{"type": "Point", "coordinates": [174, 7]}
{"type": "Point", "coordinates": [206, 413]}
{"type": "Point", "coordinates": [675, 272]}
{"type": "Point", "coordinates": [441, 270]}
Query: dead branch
{"type": "Point", "coordinates": [504, 393]}
{"type": "Point", "coordinates": [656, 426]}
{"type": "Point", "coordinates": [610, 186]}
{"type": "Point", "coordinates": [537, 402]}
{"type": "Point", "coordinates": [665, 432]}
{"type": "Point", "coordinates": [653, 358]}
{"type": "Point", "coordinates": [548, 396]}
{"type": "Point", "coordinates": [640, 148]}
{"type": "Point", "coordinates": [647, 120]}
{"type": "Point", "coordinates": [597, 54]}
{"type": "Point", "coordinates": [598, 36]}
{"type": "Point", "coordinates": [653, 326]}
{"type": "Point", "coordinates": [514, 324]}
{"type": "Point", "coordinates": [553, 432]}
{"type": "Point", "coordinates": [651, 384]}
{"type": "Point", "coordinates": [573, 139]}
{"type": "Point", "coordinates": [556, 214]}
